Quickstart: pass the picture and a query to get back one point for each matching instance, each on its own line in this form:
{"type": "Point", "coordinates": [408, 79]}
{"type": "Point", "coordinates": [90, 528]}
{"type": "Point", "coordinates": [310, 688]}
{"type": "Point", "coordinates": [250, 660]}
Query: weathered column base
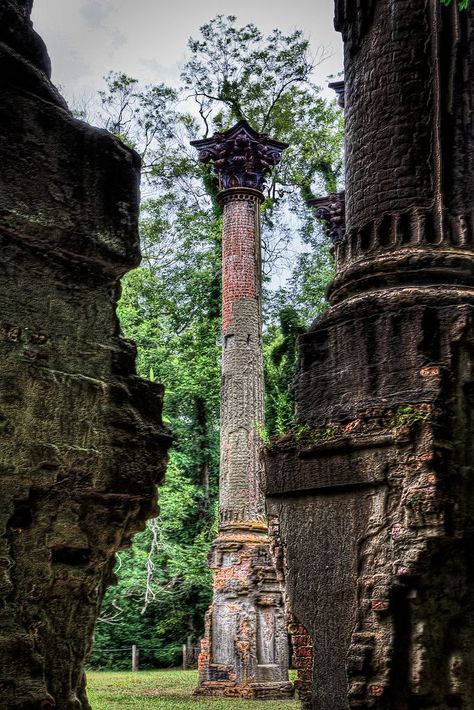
{"type": "Point", "coordinates": [245, 649]}
{"type": "Point", "coordinates": [253, 691]}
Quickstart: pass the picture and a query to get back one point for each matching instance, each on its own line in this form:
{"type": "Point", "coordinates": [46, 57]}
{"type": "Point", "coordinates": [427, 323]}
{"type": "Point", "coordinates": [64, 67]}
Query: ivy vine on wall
{"type": "Point", "coordinates": [462, 4]}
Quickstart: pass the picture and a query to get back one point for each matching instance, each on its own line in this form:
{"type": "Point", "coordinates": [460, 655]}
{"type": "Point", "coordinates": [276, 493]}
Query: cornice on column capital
{"type": "Point", "coordinates": [331, 210]}
{"type": "Point", "coordinates": [339, 89]}
{"type": "Point", "coordinates": [241, 157]}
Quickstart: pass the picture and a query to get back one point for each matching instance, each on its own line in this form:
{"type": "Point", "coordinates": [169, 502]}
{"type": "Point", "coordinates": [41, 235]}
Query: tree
{"type": "Point", "coordinates": [280, 364]}
{"type": "Point", "coordinates": [237, 73]}
{"type": "Point", "coordinates": [171, 304]}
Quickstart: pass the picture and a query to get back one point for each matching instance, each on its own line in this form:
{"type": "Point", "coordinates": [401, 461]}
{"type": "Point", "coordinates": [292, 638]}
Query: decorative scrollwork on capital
{"type": "Point", "coordinates": [331, 211]}
{"type": "Point", "coordinates": [241, 156]}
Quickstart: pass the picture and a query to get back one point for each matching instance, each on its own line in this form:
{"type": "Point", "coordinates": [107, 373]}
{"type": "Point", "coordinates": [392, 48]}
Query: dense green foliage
{"type": "Point", "coordinates": [171, 304]}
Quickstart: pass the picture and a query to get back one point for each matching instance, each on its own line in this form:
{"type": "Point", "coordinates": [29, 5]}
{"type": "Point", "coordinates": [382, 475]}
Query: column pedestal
{"type": "Point", "coordinates": [245, 649]}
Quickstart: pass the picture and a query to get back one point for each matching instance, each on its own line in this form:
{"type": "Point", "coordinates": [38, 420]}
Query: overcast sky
{"type": "Point", "coordinates": [147, 38]}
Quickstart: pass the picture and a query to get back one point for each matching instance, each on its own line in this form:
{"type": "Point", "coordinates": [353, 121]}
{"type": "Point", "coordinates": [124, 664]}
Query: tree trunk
{"type": "Point", "coordinates": [203, 447]}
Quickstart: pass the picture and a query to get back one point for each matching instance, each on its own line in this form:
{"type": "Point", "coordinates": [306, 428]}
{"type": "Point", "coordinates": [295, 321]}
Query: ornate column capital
{"type": "Point", "coordinates": [241, 156]}
{"type": "Point", "coordinates": [331, 210]}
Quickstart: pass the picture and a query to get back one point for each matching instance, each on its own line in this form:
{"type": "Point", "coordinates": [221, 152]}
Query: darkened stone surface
{"type": "Point", "coordinates": [373, 488]}
{"type": "Point", "coordinates": [17, 33]}
{"type": "Point", "coordinates": [410, 158]}
{"type": "Point", "coordinates": [82, 443]}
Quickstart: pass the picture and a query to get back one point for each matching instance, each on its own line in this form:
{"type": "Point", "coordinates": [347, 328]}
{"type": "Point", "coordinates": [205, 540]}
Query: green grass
{"type": "Point", "coordinates": [163, 690]}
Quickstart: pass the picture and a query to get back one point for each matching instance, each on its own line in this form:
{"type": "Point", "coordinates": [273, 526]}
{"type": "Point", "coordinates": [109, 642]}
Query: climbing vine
{"type": "Point", "coordinates": [462, 4]}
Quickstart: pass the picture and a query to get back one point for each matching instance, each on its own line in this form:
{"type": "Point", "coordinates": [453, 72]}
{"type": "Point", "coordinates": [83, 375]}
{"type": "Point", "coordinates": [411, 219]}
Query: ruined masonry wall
{"type": "Point", "coordinates": [373, 488]}
{"type": "Point", "coordinates": [82, 445]}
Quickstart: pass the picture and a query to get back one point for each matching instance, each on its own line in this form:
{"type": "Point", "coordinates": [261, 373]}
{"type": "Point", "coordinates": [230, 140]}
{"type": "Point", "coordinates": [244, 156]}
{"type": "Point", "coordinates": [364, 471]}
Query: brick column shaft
{"type": "Point", "coordinates": [241, 498]}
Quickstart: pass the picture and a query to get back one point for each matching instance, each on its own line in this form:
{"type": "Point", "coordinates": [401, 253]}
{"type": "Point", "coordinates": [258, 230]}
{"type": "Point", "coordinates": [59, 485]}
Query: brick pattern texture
{"type": "Point", "coordinates": [240, 254]}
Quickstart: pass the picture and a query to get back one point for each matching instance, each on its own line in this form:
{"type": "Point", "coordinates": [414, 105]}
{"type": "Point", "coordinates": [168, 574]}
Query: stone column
{"type": "Point", "coordinates": [374, 489]}
{"type": "Point", "coordinates": [245, 650]}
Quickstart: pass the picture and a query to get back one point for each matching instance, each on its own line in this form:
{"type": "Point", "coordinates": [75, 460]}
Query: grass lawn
{"type": "Point", "coordinates": [162, 690]}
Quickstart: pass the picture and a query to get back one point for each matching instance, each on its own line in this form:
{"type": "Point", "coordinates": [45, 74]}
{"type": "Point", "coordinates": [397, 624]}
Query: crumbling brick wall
{"type": "Point", "coordinates": [373, 487]}
{"type": "Point", "coordinates": [82, 443]}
